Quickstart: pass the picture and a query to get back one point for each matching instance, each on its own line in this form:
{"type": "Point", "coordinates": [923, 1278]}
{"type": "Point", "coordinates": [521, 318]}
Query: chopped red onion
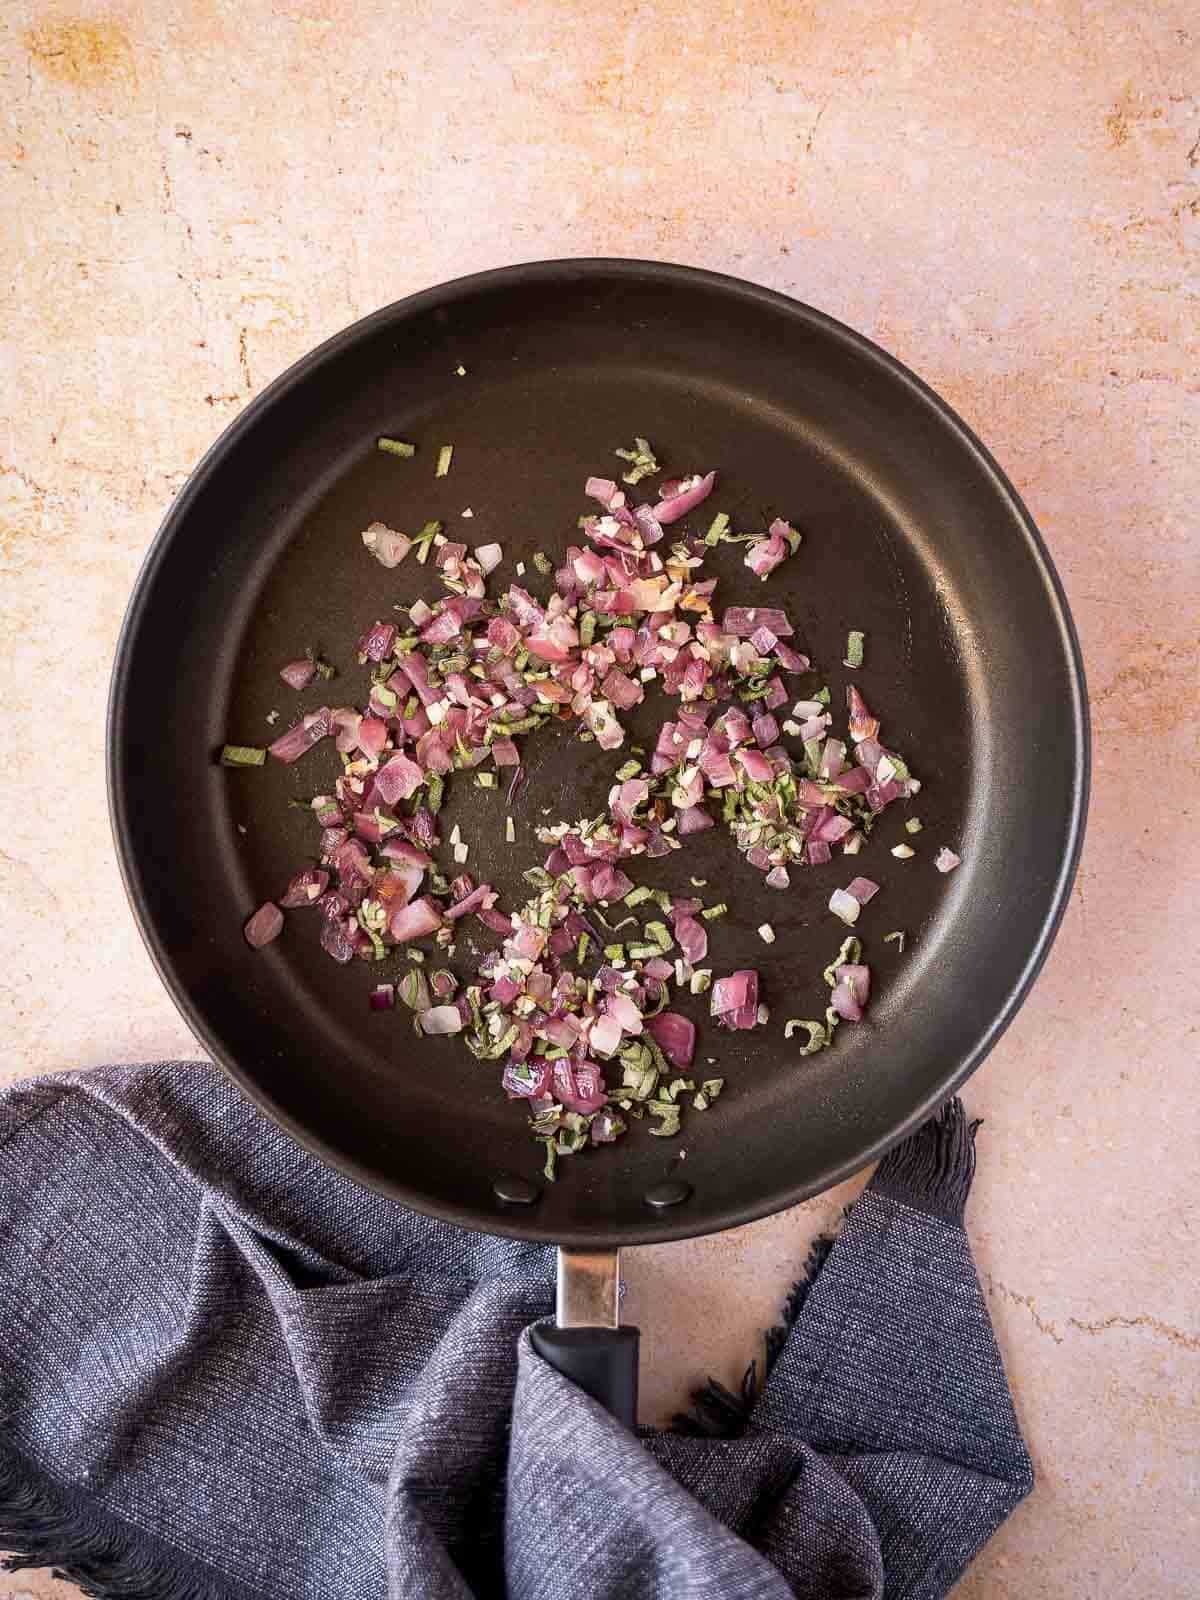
{"type": "Point", "coordinates": [862, 724]}
{"type": "Point", "coordinates": [376, 644]}
{"type": "Point", "coordinates": [495, 920]}
{"type": "Point", "coordinates": [735, 999]}
{"type": "Point", "coordinates": [266, 924]}
{"type": "Point", "coordinates": [688, 494]}
{"type": "Point", "coordinates": [863, 889]}
{"type": "Point", "coordinates": [305, 889]}
{"type": "Point", "coordinates": [692, 937]}
{"type": "Point", "coordinates": [417, 920]}
{"type": "Point", "coordinates": [675, 1036]}
{"type": "Point", "coordinates": [527, 1081]}
{"type": "Point", "coordinates": [372, 736]}
{"type": "Point", "coordinates": [299, 674]}
{"type": "Point", "coordinates": [579, 1086]}
{"type": "Point", "coordinates": [766, 729]}
{"type": "Point", "coordinates": [387, 546]}
{"type": "Point", "coordinates": [441, 1019]}
{"type": "Point", "coordinates": [764, 555]}
{"type": "Point", "coordinates": [290, 746]}
{"type": "Point", "coordinates": [946, 860]}
{"type": "Point", "coordinates": [694, 819]}
{"type": "Point", "coordinates": [626, 1013]}
{"type": "Point", "coordinates": [743, 620]}
{"type": "Point", "coordinates": [382, 997]}
{"type": "Point", "coordinates": [851, 991]}
{"type": "Point", "coordinates": [398, 779]}
{"type": "Point", "coordinates": [475, 901]}
{"type": "Point", "coordinates": [337, 940]}
{"type": "Point", "coordinates": [844, 905]}
{"type": "Point", "coordinates": [605, 1037]}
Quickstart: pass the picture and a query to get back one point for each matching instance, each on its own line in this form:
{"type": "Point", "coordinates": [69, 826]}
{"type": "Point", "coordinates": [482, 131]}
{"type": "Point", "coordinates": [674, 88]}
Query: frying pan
{"type": "Point", "coordinates": [911, 533]}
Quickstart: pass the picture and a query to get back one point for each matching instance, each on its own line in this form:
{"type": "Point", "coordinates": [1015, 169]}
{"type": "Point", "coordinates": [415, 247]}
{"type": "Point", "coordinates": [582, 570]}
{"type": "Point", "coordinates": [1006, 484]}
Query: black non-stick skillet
{"type": "Point", "coordinates": [911, 534]}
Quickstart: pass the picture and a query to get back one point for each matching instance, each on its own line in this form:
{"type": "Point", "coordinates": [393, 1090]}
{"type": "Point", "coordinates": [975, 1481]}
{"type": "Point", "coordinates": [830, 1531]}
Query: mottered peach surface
{"type": "Point", "coordinates": [1007, 197]}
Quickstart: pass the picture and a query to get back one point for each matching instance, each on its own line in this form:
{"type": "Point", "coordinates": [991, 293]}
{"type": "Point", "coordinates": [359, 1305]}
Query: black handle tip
{"type": "Point", "coordinates": [603, 1362]}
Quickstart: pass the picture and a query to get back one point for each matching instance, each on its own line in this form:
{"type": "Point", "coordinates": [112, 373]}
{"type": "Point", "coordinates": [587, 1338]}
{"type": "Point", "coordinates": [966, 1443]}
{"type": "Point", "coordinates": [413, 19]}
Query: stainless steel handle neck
{"type": "Point", "coordinates": [589, 1289]}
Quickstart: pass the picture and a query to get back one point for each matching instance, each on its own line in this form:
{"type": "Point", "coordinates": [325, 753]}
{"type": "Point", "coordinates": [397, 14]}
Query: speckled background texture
{"type": "Point", "coordinates": [1006, 196]}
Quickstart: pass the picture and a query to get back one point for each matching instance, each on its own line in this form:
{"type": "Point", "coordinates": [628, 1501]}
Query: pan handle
{"type": "Point", "coordinates": [587, 1344]}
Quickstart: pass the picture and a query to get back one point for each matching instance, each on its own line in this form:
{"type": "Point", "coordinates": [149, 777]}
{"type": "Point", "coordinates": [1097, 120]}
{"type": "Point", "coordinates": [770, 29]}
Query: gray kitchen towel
{"type": "Point", "coordinates": [227, 1371]}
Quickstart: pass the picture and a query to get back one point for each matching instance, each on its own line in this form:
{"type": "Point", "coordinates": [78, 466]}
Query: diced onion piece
{"type": "Point", "coordinates": [844, 905]}
{"type": "Point", "coordinates": [387, 546]}
{"type": "Point", "coordinates": [441, 1019]}
{"type": "Point", "coordinates": [266, 924]}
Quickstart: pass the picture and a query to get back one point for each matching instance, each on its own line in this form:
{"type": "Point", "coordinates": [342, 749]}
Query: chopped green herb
{"type": "Point", "coordinates": [587, 628]}
{"type": "Point", "coordinates": [677, 1086]}
{"type": "Point", "coordinates": [667, 1113]}
{"type": "Point", "coordinates": [710, 913]}
{"type": "Point", "coordinates": [522, 725]}
{"type": "Point", "coordinates": [627, 770]}
{"type": "Point", "coordinates": [551, 1158]}
{"type": "Point", "coordinates": [854, 648]}
{"type": "Point", "coordinates": [485, 780]}
{"type": "Point", "coordinates": [581, 949]}
{"type": "Point", "coordinates": [638, 896]}
{"type": "Point", "coordinates": [614, 952]}
{"type": "Point", "coordinates": [717, 529]}
{"type": "Point", "coordinates": [823, 695]}
{"type": "Point", "coordinates": [849, 955]}
{"type": "Point", "coordinates": [662, 1065]}
{"type": "Point", "coordinates": [445, 456]}
{"type": "Point", "coordinates": [437, 789]}
{"type": "Point", "coordinates": [661, 935]}
{"type": "Point", "coordinates": [639, 1077]}
{"type": "Point", "coordinates": [364, 922]}
{"type": "Point", "coordinates": [698, 883]}
{"type": "Point", "coordinates": [510, 832]}
{"type": "Point", "coordinates": [397, 447]}
{"type": "Point", "coordinates": [913, 825]}
{"type": "Point", "coordinates": [642, 461]}
{"type": "Point", "coordinates": [818, 1038]}
{"type": "Point", "coordinates": [542, 563]}
{"type": "Point", "coordinates": [242, 755]}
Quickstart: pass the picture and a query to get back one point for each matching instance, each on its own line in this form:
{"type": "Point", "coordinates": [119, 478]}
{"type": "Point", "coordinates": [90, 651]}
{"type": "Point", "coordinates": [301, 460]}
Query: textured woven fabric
{"type": "Point", "coordinates": [226, 1370]}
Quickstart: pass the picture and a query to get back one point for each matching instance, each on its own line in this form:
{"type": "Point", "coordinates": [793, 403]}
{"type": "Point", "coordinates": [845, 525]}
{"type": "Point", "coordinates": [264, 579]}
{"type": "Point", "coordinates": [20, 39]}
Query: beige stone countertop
{"type": "Point", "coordinates": [1007, 196]}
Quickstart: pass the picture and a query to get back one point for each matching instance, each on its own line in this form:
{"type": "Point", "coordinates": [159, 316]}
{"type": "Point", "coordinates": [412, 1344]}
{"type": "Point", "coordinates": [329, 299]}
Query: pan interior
{"type": "Point", "coordinates": [909, 535]}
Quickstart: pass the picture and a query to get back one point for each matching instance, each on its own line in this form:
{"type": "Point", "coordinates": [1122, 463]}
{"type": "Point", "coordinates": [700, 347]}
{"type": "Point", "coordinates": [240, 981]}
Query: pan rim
{"type": "Point", "coordinates": [657, 1229]}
